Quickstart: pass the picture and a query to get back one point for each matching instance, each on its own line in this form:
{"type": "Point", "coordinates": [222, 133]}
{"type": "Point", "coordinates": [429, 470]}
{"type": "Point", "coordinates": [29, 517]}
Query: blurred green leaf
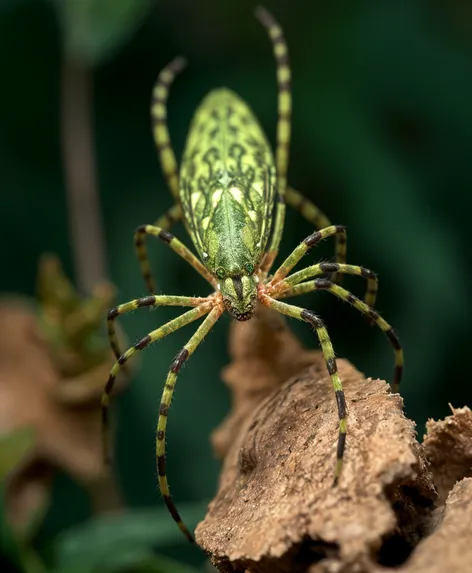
{"type": "Point", "coordinates": [131, 560]}
{"type": "Point", "coordinates": [94, 30]}
{"type": "Point", "coordinates": [159, 564]}
{"type": "Point", "coordinates": [9, 548]}
{"type": "Point", "coordinates": [14, 553]}
{"type": "Point", "coordinates": [13, 448]}
{"type": "Point", "coordinates": [113, 542]}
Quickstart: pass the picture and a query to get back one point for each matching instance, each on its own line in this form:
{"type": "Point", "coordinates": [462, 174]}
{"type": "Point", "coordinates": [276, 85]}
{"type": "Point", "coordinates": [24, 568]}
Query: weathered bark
{"type": "Point", "coordinates": [448, 447]}
{"type": "Point", "coordinates": [276, 510]}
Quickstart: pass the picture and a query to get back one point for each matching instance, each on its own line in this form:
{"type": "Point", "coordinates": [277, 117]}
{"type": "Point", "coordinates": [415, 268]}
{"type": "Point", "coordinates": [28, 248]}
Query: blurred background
{"type": "Point", "coordinates": [382, 143]}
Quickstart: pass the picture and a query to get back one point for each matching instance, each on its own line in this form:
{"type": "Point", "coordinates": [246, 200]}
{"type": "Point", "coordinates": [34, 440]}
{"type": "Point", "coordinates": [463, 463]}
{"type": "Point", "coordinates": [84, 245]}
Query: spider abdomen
{"type": "Point", "coordinates": [227, 184]}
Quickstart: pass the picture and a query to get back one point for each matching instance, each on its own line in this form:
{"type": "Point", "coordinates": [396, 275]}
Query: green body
{"type": "Point", "coordinates": [227, 190]}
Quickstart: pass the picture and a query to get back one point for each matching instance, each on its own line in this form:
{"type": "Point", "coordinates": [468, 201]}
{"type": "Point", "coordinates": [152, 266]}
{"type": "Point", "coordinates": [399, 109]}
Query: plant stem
{"type": "Point", "coordinates": [85, 221]}
{"type": "Point", "coordinates": [86, 231]}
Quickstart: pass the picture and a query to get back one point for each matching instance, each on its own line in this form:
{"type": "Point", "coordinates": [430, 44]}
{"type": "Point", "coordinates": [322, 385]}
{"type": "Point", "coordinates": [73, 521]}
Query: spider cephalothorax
{"type": "Point", "coordinates": [239, 295]}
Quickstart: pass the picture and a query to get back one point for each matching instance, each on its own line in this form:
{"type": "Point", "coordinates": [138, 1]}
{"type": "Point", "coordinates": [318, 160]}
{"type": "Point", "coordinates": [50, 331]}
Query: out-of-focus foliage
{"type": "Point", "coordinates": [382, 142]}
{"type": "Point", "coordinates": [14, 447]}
{"type": "Point", "coordinates": [118, 541]}
{"type": "Point", "coordinates": [71, 322]}
{"type": "Point", "coordinates": [93, 30]}
{"type": "Point", "coordinates": [108, 544]}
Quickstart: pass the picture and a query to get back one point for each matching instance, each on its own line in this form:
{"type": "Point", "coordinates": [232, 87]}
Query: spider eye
{"type": "Point", "coordinates": [220, 273]}
{"type": "Point", "coordinates": [249, 268]}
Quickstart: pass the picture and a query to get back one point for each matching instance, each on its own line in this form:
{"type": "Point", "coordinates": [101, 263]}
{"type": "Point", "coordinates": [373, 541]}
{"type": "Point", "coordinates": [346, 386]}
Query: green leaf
{"type": "Point", "coordinates": [9, 548]}
{"type": "Point", "coordinates": [160, 564]}
{"type": "Point", "coordinates": [93, 30]}
{"type": "Point", "coordinates": [113, 542]}
{"type": "Point", "coordinates": [13, 550]}
{"type": "Point", "coordinates": [13, 448]}
{"type": "Point", "coordinates": [132, 561]}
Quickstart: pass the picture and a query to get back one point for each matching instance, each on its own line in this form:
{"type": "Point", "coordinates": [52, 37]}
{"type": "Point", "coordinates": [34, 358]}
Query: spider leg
{"type": "Point", "coordinates": [330, 359]}
{"type": "Point", "coordinates": [147, 301]}
{"type": "Point", "coordinates": [283, 127]}
{"type": "Point", "coordinates": [301, 250]}
{"type": "Point", "coordinates": [160, 94]}
{"type": "Point", "coordinates": [340, 292]}
{"type": "Point", "coordinates": [309, 211]}
{"type": "Point", "coordinates": [140, 243]}
{"type": "Point", "coordinates": [168, 391]}
{"type": "Point", "coordinates": [153, 336]}
{"type": "Point", "coordinates": [287, 285]}
{"type": "Point", "coordinates": [165, 222]}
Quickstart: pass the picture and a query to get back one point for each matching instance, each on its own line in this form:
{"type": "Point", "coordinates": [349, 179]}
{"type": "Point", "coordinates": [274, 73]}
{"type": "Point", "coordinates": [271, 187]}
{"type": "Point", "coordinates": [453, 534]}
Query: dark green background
{"type": "Point", "coordinates": [382, 142]}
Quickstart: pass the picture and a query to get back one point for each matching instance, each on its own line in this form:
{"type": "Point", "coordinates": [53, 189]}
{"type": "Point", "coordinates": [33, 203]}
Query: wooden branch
{"type": "Point", "coordinates": [276, 510]}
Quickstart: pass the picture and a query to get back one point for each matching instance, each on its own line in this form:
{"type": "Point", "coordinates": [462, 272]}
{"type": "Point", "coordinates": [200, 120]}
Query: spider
{"type": "Point", "coordinates": [231, 196]}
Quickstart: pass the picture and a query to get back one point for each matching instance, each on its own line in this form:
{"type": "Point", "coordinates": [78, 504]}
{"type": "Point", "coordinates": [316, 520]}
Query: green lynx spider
{"type": "Point", "coordinates": [231, 197]}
